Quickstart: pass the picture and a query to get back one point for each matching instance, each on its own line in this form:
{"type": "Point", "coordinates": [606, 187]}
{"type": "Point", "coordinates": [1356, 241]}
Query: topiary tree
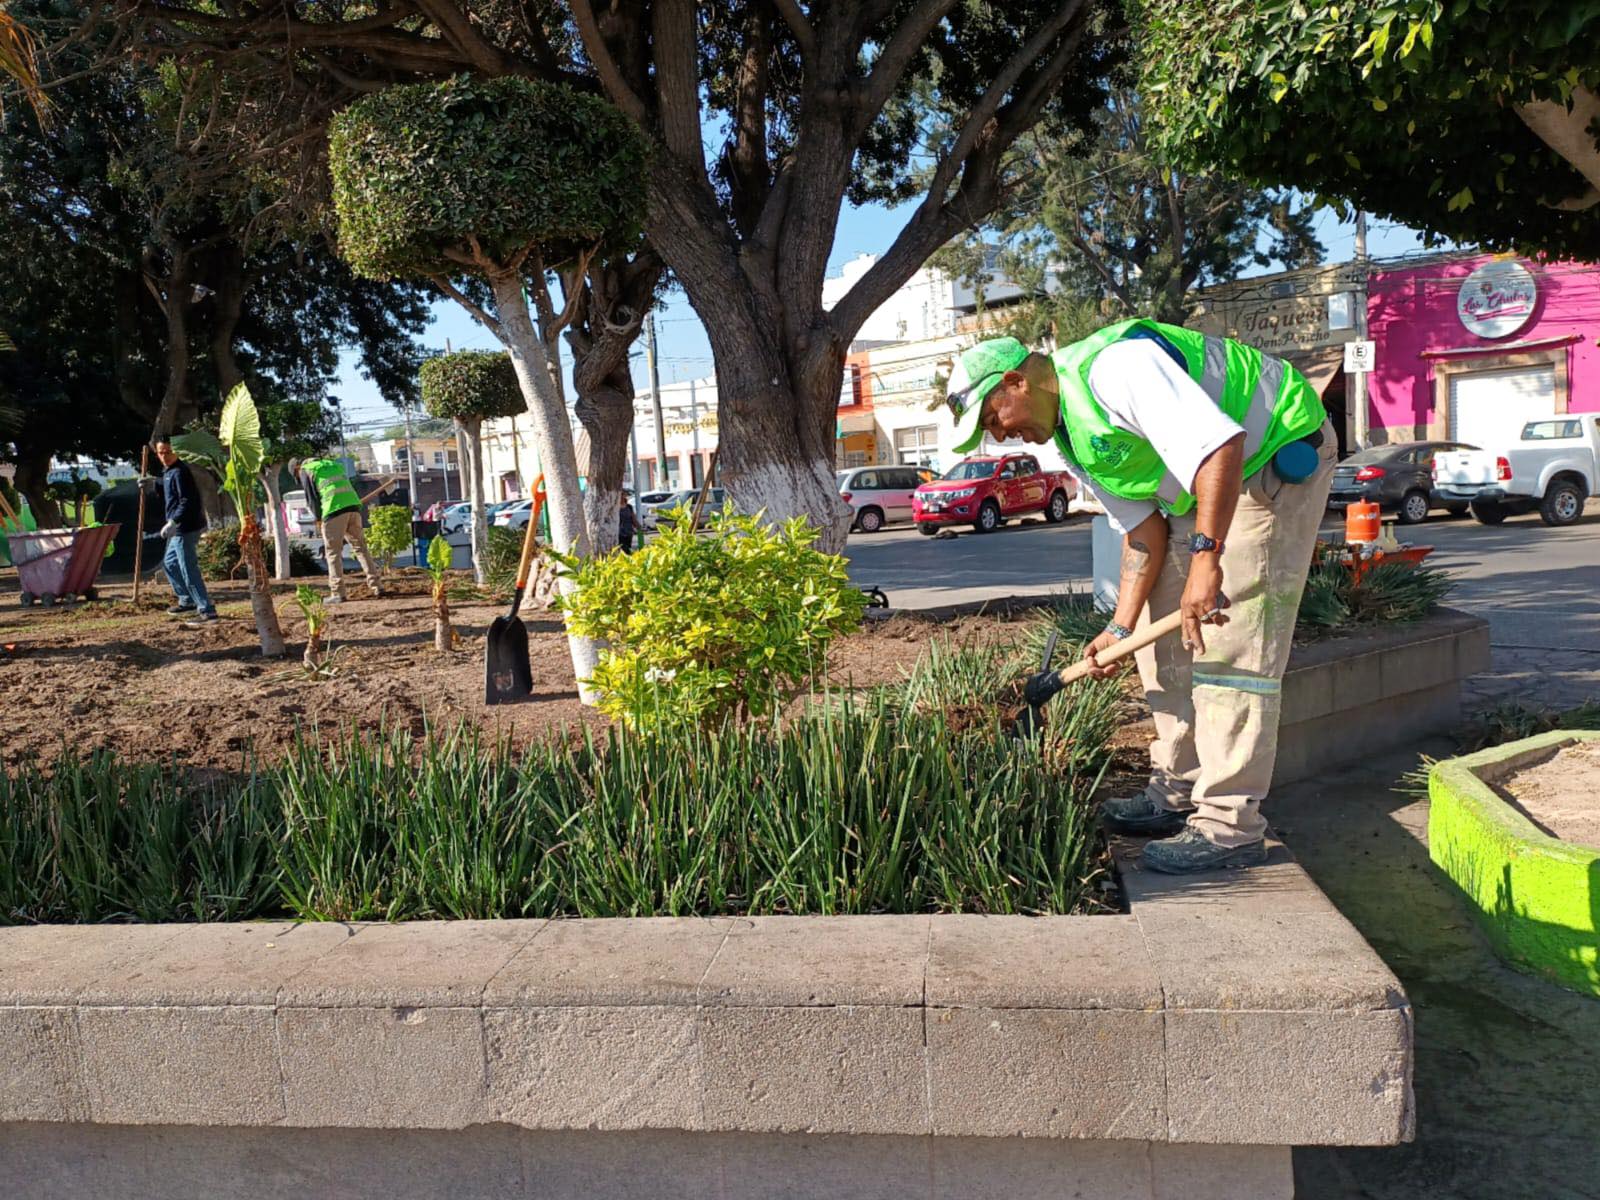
{"type": "Point", "coordinates": [470, 387]}
{"type": "Point", "coordinates": [495, 182]}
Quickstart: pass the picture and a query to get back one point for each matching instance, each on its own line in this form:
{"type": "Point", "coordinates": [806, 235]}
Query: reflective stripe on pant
{"type": "Point", "coordinates": [336, 530]}
{"type": "Point", "coordinates": [1216, 717]}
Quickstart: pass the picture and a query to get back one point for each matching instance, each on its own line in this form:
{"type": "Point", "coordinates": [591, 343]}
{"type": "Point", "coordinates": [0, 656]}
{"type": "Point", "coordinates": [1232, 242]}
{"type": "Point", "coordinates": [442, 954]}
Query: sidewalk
{"type": "Point", "coordinates": [1506, 1069]}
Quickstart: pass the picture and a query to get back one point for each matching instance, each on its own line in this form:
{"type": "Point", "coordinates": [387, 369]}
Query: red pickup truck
{"type": "Point", "coordinates": [987, 489]}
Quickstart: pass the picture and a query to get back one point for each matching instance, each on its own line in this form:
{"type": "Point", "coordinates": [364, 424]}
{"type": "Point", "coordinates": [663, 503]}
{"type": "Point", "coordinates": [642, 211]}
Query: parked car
{"type": "Point", "coordinates": [716, 498]}
{"type": "Point", "coordinates": [645, 506]}
{"type": "Point", "coordinates": [1553, 466]}
{"type": "Point", "coordinates": [513, 514]}
{"type": "Point", "coordinates": [454, 523]}
{"type": "Point", "coordinates": [986, 490]}
{"type": "Point", "coordinates": [297, 515]}
{"type": "Point", "coordinates": [1397, 476]}
{"type": "Point", "coordinates": [879, 495]}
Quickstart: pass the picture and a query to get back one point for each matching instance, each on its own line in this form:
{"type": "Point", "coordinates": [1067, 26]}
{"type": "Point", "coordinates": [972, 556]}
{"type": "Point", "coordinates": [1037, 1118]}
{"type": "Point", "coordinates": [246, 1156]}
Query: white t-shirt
{"type": "Point", "coordinates": [1144, 391]}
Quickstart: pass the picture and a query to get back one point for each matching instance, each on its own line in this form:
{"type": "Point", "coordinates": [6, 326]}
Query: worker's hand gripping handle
{"type": "Point", "coordinates": [1141, 638]}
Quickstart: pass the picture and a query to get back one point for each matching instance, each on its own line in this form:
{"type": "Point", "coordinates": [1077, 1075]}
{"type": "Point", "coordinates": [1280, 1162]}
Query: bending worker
{"type": "Point", "coordinates": [1213, 461]}
{"type": "Point", "coordinates": [332, 498]}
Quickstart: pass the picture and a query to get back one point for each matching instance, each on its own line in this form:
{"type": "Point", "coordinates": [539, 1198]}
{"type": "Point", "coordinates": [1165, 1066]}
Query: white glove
{"type": "Point", "coordinates": [170, 529]}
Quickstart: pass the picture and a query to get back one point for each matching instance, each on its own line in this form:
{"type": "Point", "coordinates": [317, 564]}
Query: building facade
{"type": "Point", "coordinates": [1471, 347]}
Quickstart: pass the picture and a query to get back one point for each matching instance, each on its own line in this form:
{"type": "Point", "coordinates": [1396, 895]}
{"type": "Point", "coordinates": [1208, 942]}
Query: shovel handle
{"type": "Point", "coordinates": [1141, 638]}
{"type": "Point", "coordinates": [529, 537]}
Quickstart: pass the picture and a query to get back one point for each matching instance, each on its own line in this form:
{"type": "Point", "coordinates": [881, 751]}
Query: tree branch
{"type": "Point", "coordinates": [678, 79]}
{"type": "Point", "coordinates": [895, 59]}
{"type": "Point", "coordinates": [605, 65]}
{"type": "Point", "coordinates": [805, 37]}
{"type": "Point", "coordinates": [450, 289]}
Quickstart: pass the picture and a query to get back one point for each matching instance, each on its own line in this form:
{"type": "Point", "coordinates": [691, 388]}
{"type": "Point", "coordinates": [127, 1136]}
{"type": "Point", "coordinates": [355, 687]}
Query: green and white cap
{"type": "Point", "coordinates": [977, 370]}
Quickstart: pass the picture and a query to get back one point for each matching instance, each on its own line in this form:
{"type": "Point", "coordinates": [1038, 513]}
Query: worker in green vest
{"type": "Point", "coordinates": [333, 499]}
{"type": "Point", "coordinates": [1213, 461]}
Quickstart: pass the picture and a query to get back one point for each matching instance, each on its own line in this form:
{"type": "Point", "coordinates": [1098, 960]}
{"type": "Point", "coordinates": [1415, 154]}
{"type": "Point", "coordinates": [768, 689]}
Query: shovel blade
{"type": "Point", "coordinates": [507, 675]}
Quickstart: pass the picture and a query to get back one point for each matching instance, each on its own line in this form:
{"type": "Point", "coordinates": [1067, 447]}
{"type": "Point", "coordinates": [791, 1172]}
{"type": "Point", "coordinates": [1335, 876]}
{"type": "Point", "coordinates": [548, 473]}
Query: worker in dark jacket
{"type": "Point", "coordinates": [333, 500]}
{"type": "Point", "coordinates": [185, 522]}
{"type": "Point", "coordinates": [627, 525]}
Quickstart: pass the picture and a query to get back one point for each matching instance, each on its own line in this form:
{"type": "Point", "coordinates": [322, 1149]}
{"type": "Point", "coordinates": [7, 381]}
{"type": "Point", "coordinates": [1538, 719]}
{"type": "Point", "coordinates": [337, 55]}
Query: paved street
{"type": "Point", "coordinates": [1539, 587]}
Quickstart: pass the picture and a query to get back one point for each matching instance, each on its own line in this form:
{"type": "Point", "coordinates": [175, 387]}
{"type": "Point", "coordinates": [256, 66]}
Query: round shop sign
{"type": "Point", "coordinates": [1497, 299]}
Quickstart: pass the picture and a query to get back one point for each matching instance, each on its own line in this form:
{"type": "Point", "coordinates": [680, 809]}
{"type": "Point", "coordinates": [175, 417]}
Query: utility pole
{"type": "Point", "coordinates": [1358, 379]}
{"type": "Point", "coordinates": [411, 463]}
{"type": "Point", "coordinates": [655, 402]}
{"type": "Point", "coordinates": [694, 432]}
{"type": "Point", "coordinates": [633, 451]}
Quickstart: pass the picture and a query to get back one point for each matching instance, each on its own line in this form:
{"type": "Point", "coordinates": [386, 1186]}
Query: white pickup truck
{"type": "Point", "coordinates": [1553, 467]}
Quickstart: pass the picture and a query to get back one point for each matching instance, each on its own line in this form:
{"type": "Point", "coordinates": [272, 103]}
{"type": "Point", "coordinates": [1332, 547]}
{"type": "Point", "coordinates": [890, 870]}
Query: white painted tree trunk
{"type": "Point", "coordinates": [781, 491]}
{"type": "Point", "coordinates": [552, 435]}
{"type": "Point", "coordinates": [276, 525]}
{"type": "Point", "coordinates": [472, 481]}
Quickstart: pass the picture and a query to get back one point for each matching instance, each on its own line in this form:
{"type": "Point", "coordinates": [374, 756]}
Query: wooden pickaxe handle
{"type": "Point", "coordinates": [1141, 638]}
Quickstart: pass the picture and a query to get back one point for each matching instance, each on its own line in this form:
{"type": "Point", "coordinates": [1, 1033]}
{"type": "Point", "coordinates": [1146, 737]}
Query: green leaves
{"type": "Point", "coordinates": [438, 559]}
{"type": "Point", "coordinates": [388, 532]}
{"type": "Point", "coordinates": [200, 448]}
{"type": "Point", "coordinates": [501, 166]}
{"type": "Point", "coordinates": [471, 385]}
{"type": "Point", "coordinates": [699, 627]}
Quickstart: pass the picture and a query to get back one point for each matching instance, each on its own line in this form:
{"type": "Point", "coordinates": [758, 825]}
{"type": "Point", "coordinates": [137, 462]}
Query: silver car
{"type": "Point", "coordinates": [878, 495]}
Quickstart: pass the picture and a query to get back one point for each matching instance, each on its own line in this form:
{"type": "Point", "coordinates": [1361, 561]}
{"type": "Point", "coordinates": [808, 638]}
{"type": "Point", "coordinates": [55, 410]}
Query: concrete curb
{"type": "Point", "coordinates": [1536, 897]}
{"type": "Point", "coordinates": [1230, 1010]}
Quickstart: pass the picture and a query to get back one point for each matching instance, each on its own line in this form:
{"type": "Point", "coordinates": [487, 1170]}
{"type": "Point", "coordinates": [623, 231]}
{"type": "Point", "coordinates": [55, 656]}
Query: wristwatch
{"type": "Point", "coordinates": [1199, 543]}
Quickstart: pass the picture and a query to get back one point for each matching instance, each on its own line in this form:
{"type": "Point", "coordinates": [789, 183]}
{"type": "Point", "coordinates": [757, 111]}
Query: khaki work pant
{"type": "Point", "coordinates": [336, 531]}
{"type": "Point", "coordinates": [1216, 715]}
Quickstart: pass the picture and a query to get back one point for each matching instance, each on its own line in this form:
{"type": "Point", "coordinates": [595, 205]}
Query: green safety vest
{"type": "Point", "coordinates": [1272, 401]}
{"type": "Point", "coordinates": [333, 486]}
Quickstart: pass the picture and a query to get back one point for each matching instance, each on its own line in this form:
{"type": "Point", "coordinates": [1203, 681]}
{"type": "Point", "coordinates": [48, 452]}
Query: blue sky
{"type": "Point", "coordinates": [686, 354]}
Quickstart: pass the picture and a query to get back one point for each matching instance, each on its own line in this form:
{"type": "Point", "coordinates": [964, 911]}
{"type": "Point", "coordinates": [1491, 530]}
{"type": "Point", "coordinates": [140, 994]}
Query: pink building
{"type": "Point", "coordinates": [1469, 348]}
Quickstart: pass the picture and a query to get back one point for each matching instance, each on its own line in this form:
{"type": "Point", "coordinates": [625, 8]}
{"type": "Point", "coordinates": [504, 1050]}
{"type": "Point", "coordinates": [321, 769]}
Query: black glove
{"type": "Point", "coordinates": [1041, 687]}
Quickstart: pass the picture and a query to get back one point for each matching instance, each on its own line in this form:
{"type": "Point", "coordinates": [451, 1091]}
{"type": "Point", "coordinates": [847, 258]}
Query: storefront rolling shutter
{"type": "Point", "coordinates": [1489, 408]}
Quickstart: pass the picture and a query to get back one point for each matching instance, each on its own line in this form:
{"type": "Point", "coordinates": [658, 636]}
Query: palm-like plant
{"type": "Point", "coordinates": [19, 59]}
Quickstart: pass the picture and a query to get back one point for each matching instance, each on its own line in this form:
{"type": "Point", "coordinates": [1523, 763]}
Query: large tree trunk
{"type": "Point", "coordinates": [33, 480]}
{"type": "Point", "coordinates": [276, 525]}
{"type": "Point", "coordinates": [552, 434]}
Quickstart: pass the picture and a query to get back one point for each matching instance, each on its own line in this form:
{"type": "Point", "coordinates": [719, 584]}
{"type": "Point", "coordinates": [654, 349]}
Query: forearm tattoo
{"type": "Point", "coordinates": [1135, 559]}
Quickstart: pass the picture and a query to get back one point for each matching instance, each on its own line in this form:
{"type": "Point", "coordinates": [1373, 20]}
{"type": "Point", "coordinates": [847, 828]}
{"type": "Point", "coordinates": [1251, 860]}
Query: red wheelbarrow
{"type": "Point", "coordinates": [56, 564]}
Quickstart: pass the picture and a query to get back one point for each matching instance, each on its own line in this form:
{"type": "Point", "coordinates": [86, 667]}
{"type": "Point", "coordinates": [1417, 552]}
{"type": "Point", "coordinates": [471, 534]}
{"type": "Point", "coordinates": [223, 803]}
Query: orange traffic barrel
{"type": "Point", "coordinates": [1361, 522]}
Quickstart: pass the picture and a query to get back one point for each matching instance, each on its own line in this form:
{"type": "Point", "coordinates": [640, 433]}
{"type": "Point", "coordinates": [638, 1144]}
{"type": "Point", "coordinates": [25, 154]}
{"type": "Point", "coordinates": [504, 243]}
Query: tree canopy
{"type": "Point", "coordinates": [1468, 119]}
{"type": "Point", "coordinates": [471, 385]}
{"type": "Point", "coordinates": [427, 177]}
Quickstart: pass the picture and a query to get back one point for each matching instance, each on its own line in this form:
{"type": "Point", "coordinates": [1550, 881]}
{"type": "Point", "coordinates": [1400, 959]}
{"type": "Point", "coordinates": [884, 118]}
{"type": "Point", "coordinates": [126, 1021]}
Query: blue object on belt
{"type": "Point", "coordinates": [1296, 462]}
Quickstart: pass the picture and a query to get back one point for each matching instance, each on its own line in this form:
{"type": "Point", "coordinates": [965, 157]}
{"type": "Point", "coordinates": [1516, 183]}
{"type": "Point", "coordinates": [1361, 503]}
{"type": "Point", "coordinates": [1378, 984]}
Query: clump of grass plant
{"type": "Point", "coordinates": [863, 807]}
{"type": "Point", "coordinates": [1389, 593]}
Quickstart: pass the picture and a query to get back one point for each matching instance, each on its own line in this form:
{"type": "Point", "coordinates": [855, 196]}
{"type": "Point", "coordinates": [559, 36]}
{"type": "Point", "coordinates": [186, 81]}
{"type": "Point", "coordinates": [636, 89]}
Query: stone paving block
{"type": "Point", "coordinates": [664, 1165]}
{"type": "Point", "coordinates": [1254, 959]}
{"type": "Point", "coordinates": [1354, 682]}
{"type": "Point", "coordinates": [624, 960]}
{"type": "Point", "coordinates": [41, 1070]}
{"type": "Point", "coordinates": [1221, 1172]}
{"type": "Point", "coordinates": [1040, 962]}
{"type": "Point", "coordinates": [1419, 666]}
{"type": "Point", "coordinates": [822, 1070]}
{"type": "Point", "coordinates": [777, 961]}
{"type": "Point", "coordinates": [786, 1166]}
{"type": "Point", "coordinates": [1010, 1168]}
{"type": "Point", "coordinates": [1043, 1073]}
{"type": "Point", "coordinates": [405, 1068]}
{"type": "Point", "coordinates": [1306, 695]}
{"type": "Point", "coordinates": [1289, 1079]}
{"type": "Point", "coordinates": [594, 1068]}
{"type": "Point", "coordinates": [181, 1066]}
{"type": "Point", "coordinates": [54, 964]}
{"type": "Point", "coordinates": [243, 963]}
{"type": "Point", "coordinates": [1279, 886]}
{"type": "Point", "coordinates": [444, 963]}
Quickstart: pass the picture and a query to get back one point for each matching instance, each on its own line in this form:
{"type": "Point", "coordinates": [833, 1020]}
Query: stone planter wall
{"type": "Point", "coordinates": [1536, 897]}
{"type": "Point", "coordinates": [1177, 1051]}
{"type": "Point", "coordinates": [1348, 698]}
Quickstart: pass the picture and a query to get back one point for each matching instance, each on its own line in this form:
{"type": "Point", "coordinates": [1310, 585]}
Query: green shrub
{"type": "Point", "coordinates": [698, 628]}
{"type": "Point", "coordinates": [1390, 593]}
{"type": "Point", "coordinates": [218, 554]}
{"type": "Point", "coordinates": [388, 533]}
{"type": "Point", "coordinates": [854, 809]}
{"type": "Point", "coordinates": [471, 385]}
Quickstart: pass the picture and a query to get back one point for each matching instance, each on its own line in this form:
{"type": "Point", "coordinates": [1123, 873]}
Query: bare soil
{"type": "Point", "coordinates": [1561, 795]}
{"type": "Point", "coordinates": [109, 675]}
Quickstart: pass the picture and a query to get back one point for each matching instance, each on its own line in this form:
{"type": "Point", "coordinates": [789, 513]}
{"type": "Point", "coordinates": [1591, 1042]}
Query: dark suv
{"type": "Point", "coordinates": [1398, 476]}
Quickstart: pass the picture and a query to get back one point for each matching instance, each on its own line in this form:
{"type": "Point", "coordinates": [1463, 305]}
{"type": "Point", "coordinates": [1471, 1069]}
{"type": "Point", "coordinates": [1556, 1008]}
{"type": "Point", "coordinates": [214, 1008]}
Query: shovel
{"type": "Point", "coordinates": [507, 674]}
{"type": "Point", "coordinates": [1031, 719]}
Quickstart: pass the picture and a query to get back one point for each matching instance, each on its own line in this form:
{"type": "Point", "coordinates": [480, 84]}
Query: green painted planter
{"type": "Point", "coordinates": [1537, 898]}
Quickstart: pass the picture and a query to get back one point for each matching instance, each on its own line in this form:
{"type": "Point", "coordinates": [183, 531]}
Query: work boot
{"type": "Point", "coordinates": [177, 610]}
{"type": "Point", "coordinates": [1140, 816]}
{"type": "Point", "coordinates": [1189, 853]}
{"type": "Point", "coordinates": [334, 600]}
